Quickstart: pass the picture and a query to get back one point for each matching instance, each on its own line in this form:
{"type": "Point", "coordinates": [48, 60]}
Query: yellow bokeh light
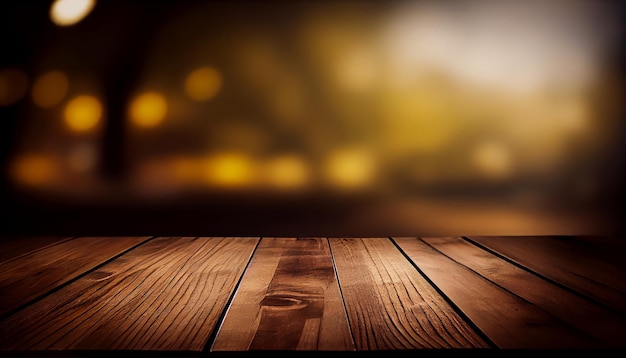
{"type": "Point", "coordinates": [50, 89]}
{"type": "Point", "coordinates": [148, 110]}
{"type": "Point", "coordinates": [493, 160]}
{"type": "Point", "coordinates": [287, 172]}
{"type": "Point", "coordinates": [228, 170]}
{"type": "Point", "coordinates": [13, 85]}
{"type": "Point", "coordinates": [33, 170]}
{"type": "Point", "coordinates": [70, 12]}
{"type": "Point", "coordinates": [350, 168]}
{"type": "Point", "coordinates": [203, 83]}
{"type": "Point", "coordinates": [83, 113]}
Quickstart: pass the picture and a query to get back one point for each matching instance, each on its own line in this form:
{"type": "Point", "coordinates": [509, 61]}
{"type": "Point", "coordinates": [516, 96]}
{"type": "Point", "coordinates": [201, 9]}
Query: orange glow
{"type": "Point", "coordinates": [288, 172]}
{"type": "Point", "coordinates": [203, 83]}
{"type": "Point", "coordinates": [350, 168]}
{"type": "Point", "coordinates": [13, 86]}
{"type": "Point", "coordinates": [228, 170]}
{"type": "Point", "coordinates": [70, 12]}
{"type": "Point", "coordinates": [50, 89]}
{"type": "Point", "coordinates": [34, 170]}
{"type": "Point", "coordinates": [148, 110]}
{"type": "Point", "coordinates": [83, 113]}
{"type": "Point", "coordinates": [184, 170]}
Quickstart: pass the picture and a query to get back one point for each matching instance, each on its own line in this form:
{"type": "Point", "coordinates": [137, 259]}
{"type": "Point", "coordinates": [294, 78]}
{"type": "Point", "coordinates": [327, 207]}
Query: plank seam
{"type": "Point", "coordinates": [73, 279]}
{"type": "Point", "coordinates": [543, 277]}
{"type": "Point", "coordinates": [343, 301]}
{"type": "Point", "coordinates": [458, 310]}
{"type": "Point", "coordinates": [206, 350]}
{"type": "Point", "coordinates": [499, 286]}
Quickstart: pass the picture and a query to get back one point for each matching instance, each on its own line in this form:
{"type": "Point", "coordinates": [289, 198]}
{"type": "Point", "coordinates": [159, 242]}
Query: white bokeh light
{"type": "Point", "coordinates": [70, 12]}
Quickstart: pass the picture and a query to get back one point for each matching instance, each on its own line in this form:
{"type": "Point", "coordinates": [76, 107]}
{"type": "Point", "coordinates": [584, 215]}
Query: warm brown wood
{"type": "Point", "coordinates": [597, 271]}
{"type": "Point", "coordinates": [390, 305]}
{"type": "Point", "coordinates": [15, 246]}
{"type": "Point", "coordinates": [165, 295]}
{"type": "Point", "coordinates": [288, 299]}
{"type": "Point", "coordinates": [40, 271]}
{"type": "Point", "coordinates": [596, 320]}
{"type": "Point", "coordinates": [508, 320]}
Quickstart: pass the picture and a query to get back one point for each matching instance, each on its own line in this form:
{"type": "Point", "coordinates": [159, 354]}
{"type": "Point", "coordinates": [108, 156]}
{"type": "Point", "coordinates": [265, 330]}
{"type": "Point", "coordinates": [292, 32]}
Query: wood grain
{"type": "Point", "coordinates": [509, 321]}
{"type": "Point", "coordinates": [40, 271]}
{"type": "Point", "coordinates": [165, 295]}
{"type": "Point", "coordinates": [595, 270]}
{"type": "Point", "coordinates": [245, 296]}
{"type": "Point", "coordinates": [587, 316]}
{"type": "Point", "coordinates": [288, 299]}
{"type": "Point", "coordinates": [15, 246]}
{"type": "Point", "coordinates": [390, 305]}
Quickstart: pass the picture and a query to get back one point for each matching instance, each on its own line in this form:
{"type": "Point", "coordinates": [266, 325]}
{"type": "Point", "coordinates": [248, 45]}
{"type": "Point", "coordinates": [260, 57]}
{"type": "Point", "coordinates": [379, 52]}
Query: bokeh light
{"type": "Point", "coordinates": [350, 168]}
{"type": "Point", "coordinates": [228, 170]}
{"type": "Point", "coordinates": [83, 113]}
{"type": "Point", "coordinates": [50, 89]}
{"type": "Point", "coordinates": [288, 172]}
{"type": "Point", "coordinates": [148, 110]}
{"type": "Point", "coordinates": [441, 105]}
{"type": "Point", "coordinates": [203, 83]}
{"type": "Point", "coordinates": [70, 12]}
{"type": "Point", "coordinates": [35, 170]}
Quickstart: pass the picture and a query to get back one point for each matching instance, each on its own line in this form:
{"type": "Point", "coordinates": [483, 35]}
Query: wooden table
{"type": "Point", "coordinates": [249, 295]}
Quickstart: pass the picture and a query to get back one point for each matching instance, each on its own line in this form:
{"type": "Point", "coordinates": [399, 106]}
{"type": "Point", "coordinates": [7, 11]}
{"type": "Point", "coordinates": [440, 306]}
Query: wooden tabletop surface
{"type": "Point", "coordinates": [202, 296]}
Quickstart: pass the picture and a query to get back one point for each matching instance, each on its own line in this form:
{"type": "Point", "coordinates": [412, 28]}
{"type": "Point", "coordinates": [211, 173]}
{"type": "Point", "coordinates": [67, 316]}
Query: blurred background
{"type": "Point", "coordinates": [312, 118]}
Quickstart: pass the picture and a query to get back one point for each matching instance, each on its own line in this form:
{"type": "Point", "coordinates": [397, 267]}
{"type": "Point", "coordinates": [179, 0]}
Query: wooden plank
{"type": "Point", "coordinates": [288, 299]}
{"type": "Point", "coordinates": [15, 246]}
{"type": "Point", "coordinates": [166, 295]}
{"type": "Point", "coordinates": [509, 321]}
{"type": "Point", "coordinates": [390, 305]}
{"type": "Point", "coordinates": [41, 271]}
{"type": "Point", "coordinates": [587, 316]}
{"type": "Point", "coordinates": [597, 271]}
